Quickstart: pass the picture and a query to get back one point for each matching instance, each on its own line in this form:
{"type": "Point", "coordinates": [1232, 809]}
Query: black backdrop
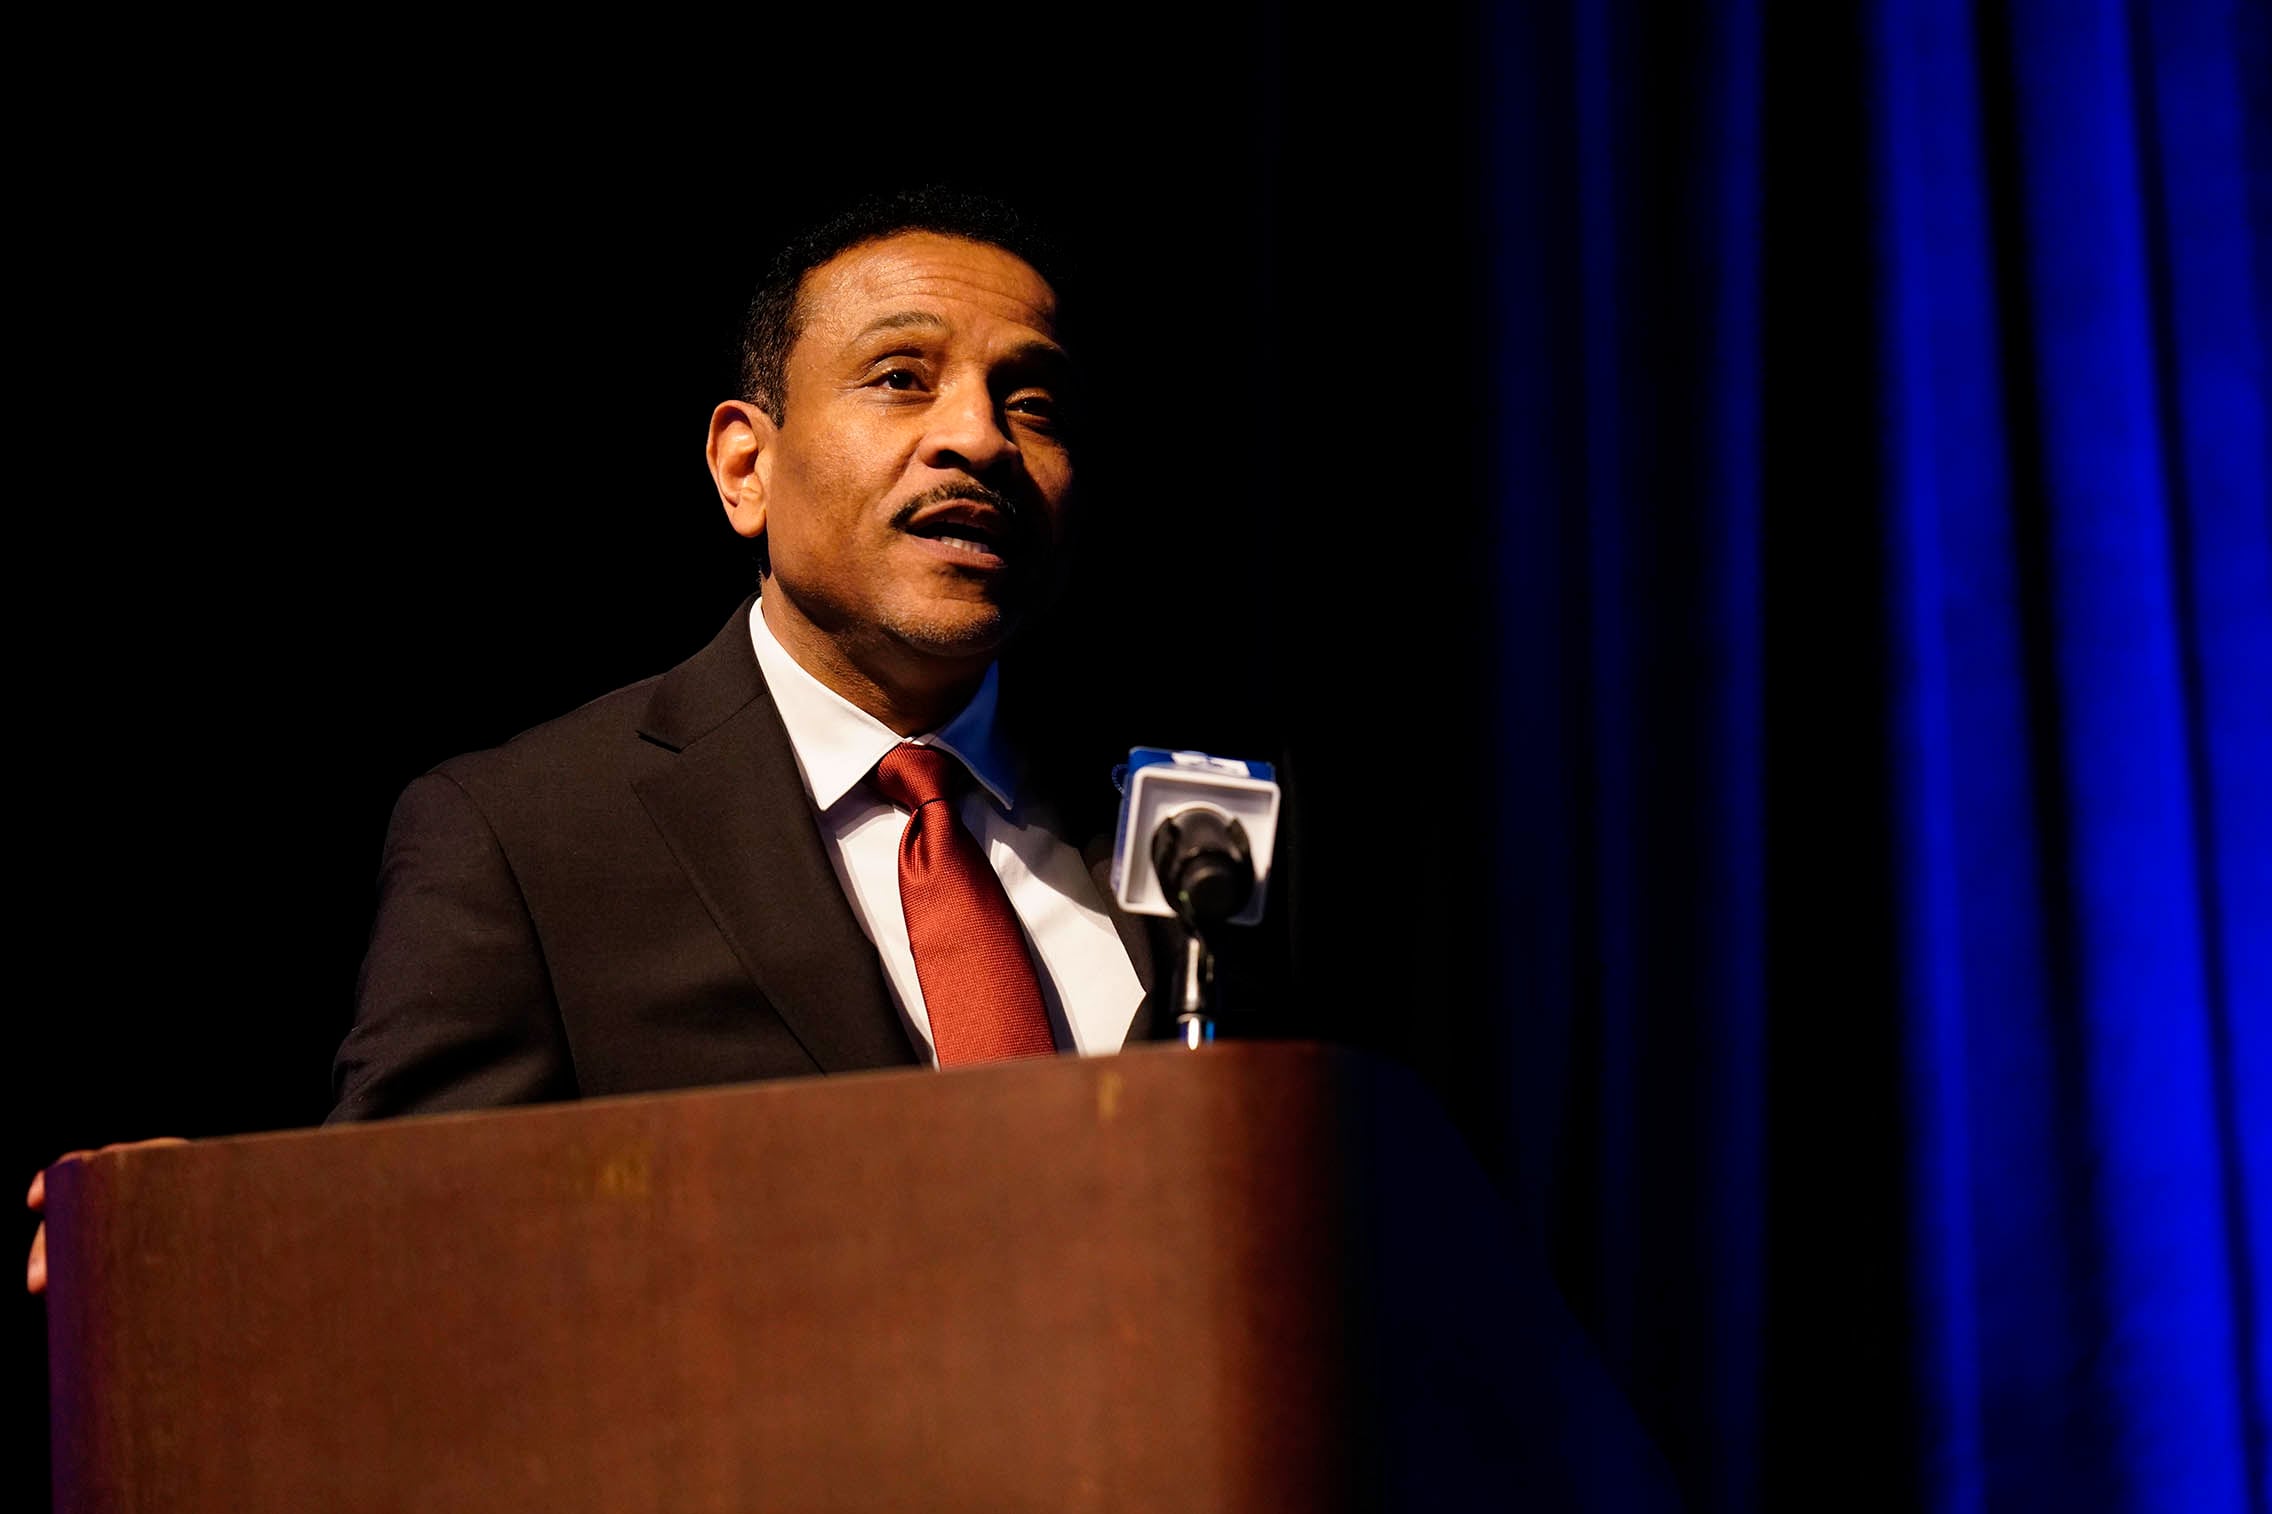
{"type": "Point", "coordinates": [366, 429]}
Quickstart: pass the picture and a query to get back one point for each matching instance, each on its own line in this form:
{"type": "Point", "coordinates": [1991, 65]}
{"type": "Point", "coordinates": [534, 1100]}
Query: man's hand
{"type": "Point", "coordinates": [35, 1270]}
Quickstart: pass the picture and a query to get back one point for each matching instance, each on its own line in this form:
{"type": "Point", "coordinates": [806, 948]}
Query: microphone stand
{"type": "Point", "coordinates": [1195, 1019]}
{"type": "Point", "coordinates": [1206, 870]}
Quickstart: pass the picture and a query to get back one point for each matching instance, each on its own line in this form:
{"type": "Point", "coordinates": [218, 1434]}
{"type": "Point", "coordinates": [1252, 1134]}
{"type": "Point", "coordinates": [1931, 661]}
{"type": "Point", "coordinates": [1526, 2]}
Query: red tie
{"type": "Point", "coordinates": [978, 984]}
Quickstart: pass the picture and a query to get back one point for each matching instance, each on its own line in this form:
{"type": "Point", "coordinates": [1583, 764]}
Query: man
{"type": "Point", "coordinates": [697, 879]}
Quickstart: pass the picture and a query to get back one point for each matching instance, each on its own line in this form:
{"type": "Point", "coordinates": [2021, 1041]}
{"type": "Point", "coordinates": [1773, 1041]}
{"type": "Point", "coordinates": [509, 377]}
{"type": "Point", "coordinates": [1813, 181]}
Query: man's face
{"type": "Point", "coordinates": [916, 488]}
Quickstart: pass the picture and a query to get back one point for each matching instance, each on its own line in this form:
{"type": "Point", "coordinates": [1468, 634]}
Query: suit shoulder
{"type": "Point", "coordinates": [588, 759]}
{"type": "Point", "coordinates": [602, 732]}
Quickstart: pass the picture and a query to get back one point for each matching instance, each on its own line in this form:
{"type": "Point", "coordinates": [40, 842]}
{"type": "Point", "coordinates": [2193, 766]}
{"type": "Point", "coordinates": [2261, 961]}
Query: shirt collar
{"type": "Point", "coordinates": [837, 743]}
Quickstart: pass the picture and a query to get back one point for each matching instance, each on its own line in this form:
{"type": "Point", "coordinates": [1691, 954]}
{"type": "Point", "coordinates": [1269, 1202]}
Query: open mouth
{"type": "Point", "coordinates": [966, 530]}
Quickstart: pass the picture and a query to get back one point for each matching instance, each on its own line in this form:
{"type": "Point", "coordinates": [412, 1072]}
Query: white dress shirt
{"type": "Point", "coordinates": [1087, 984]}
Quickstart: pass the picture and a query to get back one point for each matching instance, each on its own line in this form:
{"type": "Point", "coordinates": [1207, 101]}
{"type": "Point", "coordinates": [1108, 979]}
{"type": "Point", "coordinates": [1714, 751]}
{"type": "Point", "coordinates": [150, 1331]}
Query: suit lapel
{"type": "Point", "coordinates": [732, 808]}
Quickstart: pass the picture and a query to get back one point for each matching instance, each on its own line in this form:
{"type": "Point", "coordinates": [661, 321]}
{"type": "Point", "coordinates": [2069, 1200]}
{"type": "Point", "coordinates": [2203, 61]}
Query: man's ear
{"type": "Point", "coordinates": [741, 458]}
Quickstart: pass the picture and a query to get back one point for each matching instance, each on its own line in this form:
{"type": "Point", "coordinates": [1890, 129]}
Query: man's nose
{"type": "Point", "coordinates": [965, 432]}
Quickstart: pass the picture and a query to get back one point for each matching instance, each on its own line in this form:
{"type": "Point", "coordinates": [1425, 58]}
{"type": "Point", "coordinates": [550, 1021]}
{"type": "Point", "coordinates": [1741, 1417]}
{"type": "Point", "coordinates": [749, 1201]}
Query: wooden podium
{"type": "Point", "coordinates": [1256, 1277]}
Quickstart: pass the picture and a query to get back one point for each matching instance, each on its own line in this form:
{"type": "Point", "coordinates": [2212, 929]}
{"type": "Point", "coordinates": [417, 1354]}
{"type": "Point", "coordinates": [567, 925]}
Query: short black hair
{"type": "Point", "coordinates": [776, 318]}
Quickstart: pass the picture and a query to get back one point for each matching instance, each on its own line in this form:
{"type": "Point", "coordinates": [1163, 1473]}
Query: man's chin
{"type": "Point", "coordinates": [958, 632]}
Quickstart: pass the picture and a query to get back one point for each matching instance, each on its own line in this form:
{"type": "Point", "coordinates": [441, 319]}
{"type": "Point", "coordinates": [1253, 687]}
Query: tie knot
{"type": "Point", "coordinates": [912, 776]}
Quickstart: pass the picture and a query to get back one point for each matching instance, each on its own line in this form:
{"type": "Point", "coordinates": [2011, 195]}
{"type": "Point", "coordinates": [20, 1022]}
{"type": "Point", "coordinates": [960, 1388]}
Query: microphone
{"type": "Point", "coordinates": [1205, 825]}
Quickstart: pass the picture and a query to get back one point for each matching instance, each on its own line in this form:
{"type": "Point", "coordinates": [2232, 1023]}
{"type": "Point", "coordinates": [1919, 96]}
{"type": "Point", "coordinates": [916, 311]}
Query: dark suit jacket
{"type": "Point", "coordinates": [630, 898]}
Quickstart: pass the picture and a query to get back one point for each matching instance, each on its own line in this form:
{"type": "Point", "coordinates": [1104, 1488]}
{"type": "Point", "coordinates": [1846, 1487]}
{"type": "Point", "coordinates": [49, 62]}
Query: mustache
{"type": "Point", "coordinates": [1019, 512]}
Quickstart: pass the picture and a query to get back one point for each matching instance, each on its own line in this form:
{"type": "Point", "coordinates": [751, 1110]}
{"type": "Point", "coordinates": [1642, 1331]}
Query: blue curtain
{"type": "Point", "coordinates": [1882, 509]}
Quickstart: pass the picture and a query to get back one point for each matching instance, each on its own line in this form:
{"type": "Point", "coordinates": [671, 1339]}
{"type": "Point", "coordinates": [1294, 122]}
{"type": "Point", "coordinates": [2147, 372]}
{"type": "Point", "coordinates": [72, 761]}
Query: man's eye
{"type": "Point", "coordinates": [898, 378]}
{"type": "Point", "coordinates": [1038, 407]}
